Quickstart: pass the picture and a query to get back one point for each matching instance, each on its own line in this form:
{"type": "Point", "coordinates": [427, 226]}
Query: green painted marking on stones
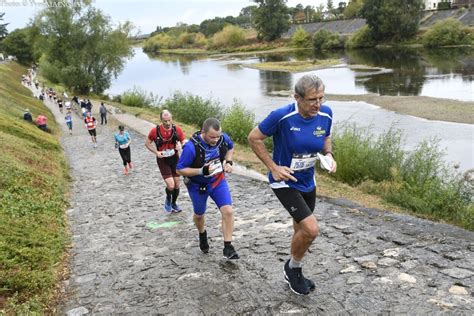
{"type": "Point", "coordinates": [155, 225]}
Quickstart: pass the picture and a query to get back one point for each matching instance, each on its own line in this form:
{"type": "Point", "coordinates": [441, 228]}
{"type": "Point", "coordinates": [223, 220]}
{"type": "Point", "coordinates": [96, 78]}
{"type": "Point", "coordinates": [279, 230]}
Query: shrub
{"type": "Point", "coordinates": [192, 109]}
{"type": "Point", "coordinates": [326, 40]}
{"type": "Point", "coordinates": [361, 39]}
{"type": "Point", "coordinates": [238, 122]}
{"type": "Point", "coordinates": [301, 39]}
{"type": "Point", "coordinates": [185, 40]}
{"type": "Point", "coordinates": [447, 32]}
{"type": "Point", "coordinates": [418, 180]}
{"type": "Point", "coordinates": [157, 42]}
{"type": "Point", "coordinates": [137, 97]}
{"type": "Point", "coordinates": [200, 40]}
{"type": "Point", "coordinates": [230, 36]}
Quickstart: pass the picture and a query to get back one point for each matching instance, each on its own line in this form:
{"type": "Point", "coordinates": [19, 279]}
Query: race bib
{"type": "Point", "coordinates": [215, 167]}
{"type": "Point", "coordinates": [302, 162]}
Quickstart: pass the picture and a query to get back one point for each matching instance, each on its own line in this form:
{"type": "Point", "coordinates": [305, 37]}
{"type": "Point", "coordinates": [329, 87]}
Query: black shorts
{"type": "Point", "coordinates": [92, 132]}
{"type": "Point", "coordinates": [299, 204]}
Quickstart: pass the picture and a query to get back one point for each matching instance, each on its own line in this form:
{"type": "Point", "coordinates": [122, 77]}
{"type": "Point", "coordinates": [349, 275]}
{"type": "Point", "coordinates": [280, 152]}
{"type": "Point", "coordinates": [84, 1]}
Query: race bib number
{"type": "Point", "coordinates": [302, 162]}
{"type": "Point", "coordinates": [215, 167]}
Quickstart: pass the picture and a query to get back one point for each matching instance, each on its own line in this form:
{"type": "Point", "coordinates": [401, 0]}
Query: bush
{"type": "Point", "coordinates": [192, 109]}
{"type": "Point", "coordinates": [230, 36]}
{"type": "Point", "coordinates": [157, 42]}
{"type": "Point", "coordinates": [447, 32]}
{"type": "Point", "coordinates": [137, 97]}
{"type": "Point", "coordinates": [361, 39]}
{"type": "Point", "coordinates": [419, 180]}
{"type": "Point", "coordinates": [301, 39]}
{"type": "Point", "coordinates": [326, 40]}
{"type": "Point", "coordinates": [238, 122]}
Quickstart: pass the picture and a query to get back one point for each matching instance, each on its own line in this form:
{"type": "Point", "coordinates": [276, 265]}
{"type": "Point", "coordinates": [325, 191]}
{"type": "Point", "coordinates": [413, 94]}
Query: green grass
{"type": "Point", "coordinates": [418, 180]}
{"type": "Point", "coordinates": [33, 182]}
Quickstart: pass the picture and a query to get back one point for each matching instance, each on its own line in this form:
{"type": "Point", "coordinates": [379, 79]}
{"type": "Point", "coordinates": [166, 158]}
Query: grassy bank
{"type": "Point", "coordinates": [295, 66]}
{"type": "Point", "coordinates": [364, 190]}
{"type": "Point", "coordinates": [33, 182]}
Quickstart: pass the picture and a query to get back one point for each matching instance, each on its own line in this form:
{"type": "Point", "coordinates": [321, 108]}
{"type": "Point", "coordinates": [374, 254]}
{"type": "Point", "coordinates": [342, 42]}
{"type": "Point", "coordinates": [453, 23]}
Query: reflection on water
{"type": "Point", "coordinates": [413, 69]}
{"type": "Point", "coordinates": [271, 81]}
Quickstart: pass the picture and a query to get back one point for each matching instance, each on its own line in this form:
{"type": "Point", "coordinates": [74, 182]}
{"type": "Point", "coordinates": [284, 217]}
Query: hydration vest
{"type": "Point", "coordinates": [160, 140]}
{"type": "Point", "coordinates": [200, 151]}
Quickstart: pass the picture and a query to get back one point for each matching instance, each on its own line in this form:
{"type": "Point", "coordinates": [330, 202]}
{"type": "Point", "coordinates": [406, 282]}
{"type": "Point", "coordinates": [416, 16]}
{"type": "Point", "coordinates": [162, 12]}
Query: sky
{"type": "Point", "coordinates": [146, 15]}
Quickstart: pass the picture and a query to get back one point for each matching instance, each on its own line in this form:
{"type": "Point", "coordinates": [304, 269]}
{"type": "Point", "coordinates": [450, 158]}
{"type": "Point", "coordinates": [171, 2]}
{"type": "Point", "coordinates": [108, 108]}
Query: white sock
{"type": "Point", "coordinates": [295, 264]}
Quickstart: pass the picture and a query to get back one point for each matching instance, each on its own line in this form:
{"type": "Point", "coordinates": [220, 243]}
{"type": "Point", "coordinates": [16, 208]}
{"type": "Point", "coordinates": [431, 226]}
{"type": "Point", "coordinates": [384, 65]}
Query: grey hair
{"type": "Point", "coordinates": [211, 122]}
{"type": "Point", "coordinates": [306, 83]}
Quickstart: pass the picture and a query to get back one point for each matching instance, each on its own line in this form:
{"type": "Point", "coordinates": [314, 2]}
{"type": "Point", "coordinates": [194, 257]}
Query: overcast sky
{"type": "Point", "coordinates": [145, 14]}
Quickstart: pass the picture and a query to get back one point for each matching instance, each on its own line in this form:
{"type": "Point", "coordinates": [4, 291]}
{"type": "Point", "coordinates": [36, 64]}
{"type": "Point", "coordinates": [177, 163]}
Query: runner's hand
{"type": "Point", "coordinates": [283, 173]}
{"type": "Point", "coordinates": [159, 154]}
{"type": "Point", "coordinates": [228, 168]}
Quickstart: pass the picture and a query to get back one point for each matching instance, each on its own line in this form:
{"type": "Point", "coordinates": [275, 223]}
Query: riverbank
{"type": "Point", "coordinates": [447, 110]}
{"type": "Point", "coordinates": [34, 182]}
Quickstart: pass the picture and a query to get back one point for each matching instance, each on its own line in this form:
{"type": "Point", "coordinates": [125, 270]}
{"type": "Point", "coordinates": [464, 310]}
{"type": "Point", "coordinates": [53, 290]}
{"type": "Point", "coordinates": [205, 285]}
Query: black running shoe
{"type": "Point", "coordinates": [295, 279]}
{"type": "Point", "coordinates": [203, 244]}
{"type": "Point", "coordinates": [230, 253]}
{"type": "Point", "coordinates": [309, 283]}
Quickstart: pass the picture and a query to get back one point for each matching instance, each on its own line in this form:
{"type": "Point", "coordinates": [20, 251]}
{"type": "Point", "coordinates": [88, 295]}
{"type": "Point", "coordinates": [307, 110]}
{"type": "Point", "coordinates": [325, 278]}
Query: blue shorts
{"type": "Point", "coordinates": [220, 194]}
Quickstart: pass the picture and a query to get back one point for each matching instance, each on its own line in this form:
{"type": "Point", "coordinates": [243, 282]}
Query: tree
{"type": "Point", "coordinates": [81, 48]}
{"type": "Point", "coordinates": [18, 44]}
{"type": "Point", "coordinates": [330, 8]}
{"type": "Point", "coordinates": [3, 28]}
{"type": "Point", "coordinates": [392, 20]}
{"type": "Point", "coordinates": [271, 19]}
{"type": "Point", "coordinates": [352, 9]}
{"type": "Point", "coordinates": [318, 14]}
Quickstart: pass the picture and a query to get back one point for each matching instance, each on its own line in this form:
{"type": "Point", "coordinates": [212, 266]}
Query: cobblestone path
{"type": "Point", "coordinates": [128, 257]}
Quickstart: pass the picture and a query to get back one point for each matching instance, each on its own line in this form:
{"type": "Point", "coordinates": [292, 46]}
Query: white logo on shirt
{"type": "Point", "coordinates": [296, 129]}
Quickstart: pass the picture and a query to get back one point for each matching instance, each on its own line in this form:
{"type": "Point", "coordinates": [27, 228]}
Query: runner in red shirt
{"type": "Point", "coordinates": [90, 123]}
{"type": "Point", "coordinates": [168, 139]}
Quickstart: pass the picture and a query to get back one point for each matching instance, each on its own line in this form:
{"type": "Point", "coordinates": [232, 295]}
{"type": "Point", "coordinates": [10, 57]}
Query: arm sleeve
{"type": "Point", "coordinates": [187, 156]}
{"type": "Point", "coordinates": [180, 133]}
{"type": "Point", "coordinates": [269, 125]}
{"type": "Point", "coordinates": [152, 134]}
{"type": "Point", "coordinates": [228, 140]}
{"type": "Point", "coordinates": [328, 130]}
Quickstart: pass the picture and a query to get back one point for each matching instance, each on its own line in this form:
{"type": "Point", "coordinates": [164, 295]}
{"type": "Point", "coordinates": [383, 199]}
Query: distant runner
{"type": "Point", "coordinates": [90, 123]}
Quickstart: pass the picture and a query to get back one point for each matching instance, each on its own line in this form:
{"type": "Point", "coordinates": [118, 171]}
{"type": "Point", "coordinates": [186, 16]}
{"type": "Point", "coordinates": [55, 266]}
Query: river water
{"type": "Point", "coordinates": [446, 74]}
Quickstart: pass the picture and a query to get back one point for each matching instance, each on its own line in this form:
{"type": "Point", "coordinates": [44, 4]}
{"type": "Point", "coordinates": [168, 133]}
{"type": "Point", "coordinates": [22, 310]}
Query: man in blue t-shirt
{"type": "Point", "coordinates": [205, 159]}
{"type": "Point", "coordinates": [300, 131]}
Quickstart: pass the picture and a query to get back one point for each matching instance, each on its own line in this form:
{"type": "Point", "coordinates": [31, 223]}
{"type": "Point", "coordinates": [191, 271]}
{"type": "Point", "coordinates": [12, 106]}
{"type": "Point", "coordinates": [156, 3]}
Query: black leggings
{"type": "Point", "coordinates": [126, 155]}
{"type": "Point", "coordinates": [299, 204]}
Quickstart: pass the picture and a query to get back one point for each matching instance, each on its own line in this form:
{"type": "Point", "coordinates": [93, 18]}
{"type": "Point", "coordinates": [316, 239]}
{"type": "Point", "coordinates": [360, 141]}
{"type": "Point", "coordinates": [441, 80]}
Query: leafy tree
{"type": "Point", "coordinates": [330, 7]}
{"type": "Point", "coordinates": [3, 28]}
{"type": "Point", "coordinates": [246, 16]}
{"type": "Point", "coordinates": [352, 9]}
{"type": "Point", "coordinates": [271, 19]}
{"type": "Point", "coordinates": [18, 43]}
{"type": "Point", "coordinates": [318, 14]}
{"type": "Point", "coordinates": [392, 20]}
{"type": "Point", "coordinates": [82, 50]}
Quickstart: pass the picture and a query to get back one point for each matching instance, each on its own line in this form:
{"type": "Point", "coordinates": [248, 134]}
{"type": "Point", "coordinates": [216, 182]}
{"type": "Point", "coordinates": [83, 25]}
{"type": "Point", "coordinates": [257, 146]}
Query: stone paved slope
{"type": "Point", "coordinates": [124, 260]}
